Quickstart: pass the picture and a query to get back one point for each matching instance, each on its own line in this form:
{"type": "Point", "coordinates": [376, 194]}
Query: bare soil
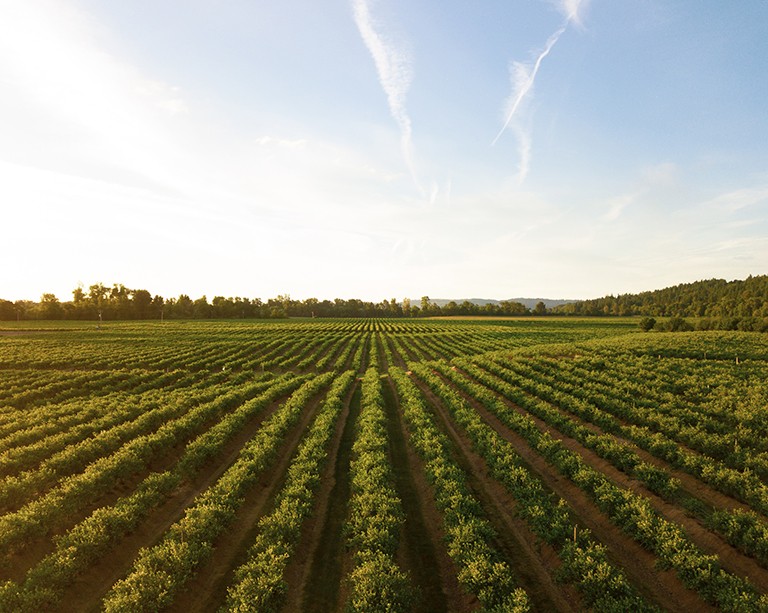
{"type": "Point", "coordinates": [421, 553]}
{"type": "Point", "coordinates": [208, 588]}
{"type": "Point", "coordinates": [533, 562]}
{"type": "Point", "coordinates": [86, 592]}
{"type": "Point", "coordinates": [319, 575]}
{"type": "Point", "coordinates": [661, 587]}
{"type": "Point", "coordinates": [710, 542]}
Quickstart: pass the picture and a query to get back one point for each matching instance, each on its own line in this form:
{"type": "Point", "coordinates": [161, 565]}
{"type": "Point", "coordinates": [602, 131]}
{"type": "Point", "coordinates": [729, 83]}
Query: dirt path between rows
{"type": "Point", "coordinates": [35, 549]}
{"type": "Point", "coordinates": [86, 592]}
{"type": "Point", "coordinates": [534, 563]}
{"type": "Point", "coordinates": [316, 576]}
{"type": "Point", "coordinates": [207, 590]}
{"type": "Point", "coordinates": [400, 362]}
{"type": "Point", "coordinates": [660, 587]}
{"type": "Point", "coordinates": [690, 483]}
{"type": "Point", "coordinates": [422, 552]}
{"type": "Point", "coordinates": [709, 542]}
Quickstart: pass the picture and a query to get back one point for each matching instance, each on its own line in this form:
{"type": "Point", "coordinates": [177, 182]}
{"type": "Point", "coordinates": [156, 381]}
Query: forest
{"type": "Point", "coordinates": [716, 303]}
{"type": "Point", "coordinates": [711, 298]}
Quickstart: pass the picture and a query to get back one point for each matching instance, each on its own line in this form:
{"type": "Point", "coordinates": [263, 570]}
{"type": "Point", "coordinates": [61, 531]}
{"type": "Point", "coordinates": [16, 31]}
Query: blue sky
{"type": "Point", "coordinates": [382, 148]}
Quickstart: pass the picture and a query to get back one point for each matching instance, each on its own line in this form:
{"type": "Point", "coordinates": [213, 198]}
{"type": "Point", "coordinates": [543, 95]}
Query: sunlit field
{"type": "Point", "coordinates": [538, 464]}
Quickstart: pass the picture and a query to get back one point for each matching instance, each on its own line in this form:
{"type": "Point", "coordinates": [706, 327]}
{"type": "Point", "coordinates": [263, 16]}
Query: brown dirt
{"type": "Point", "coordinates": [207, 589]}
{"type": "Point", "coordinates": [86, 592]}
{"type": "Point", "coordinates": [322, 586]}
{"type": "Point", "coordinates": [383, 361]}
{"type": "Point", "coordinates": [400, 362]}
{"type": "Point", "coordinates": [709, 542]}
{"type": "Point", "coordinates": [689, 483]}
{"type": "Point", "coordinates": [534, 563]}
{"type": "Point", "coordinates": [37, 548]}
{"type": "Point", "coordinates": [422, 551]}
{"type": "Point", "coordinates": [355, 341]}
{"type": "Point", "coordinates": [661, 587]}
{"type": "Point", "coordinates": [314, 541]}
{"type": "Point", "coordinates": [335, 349]}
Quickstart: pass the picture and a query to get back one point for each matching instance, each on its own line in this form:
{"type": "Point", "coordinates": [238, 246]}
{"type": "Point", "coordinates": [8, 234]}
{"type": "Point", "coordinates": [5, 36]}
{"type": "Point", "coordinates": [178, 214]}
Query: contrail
{"type": "Point", "coordinates": [524, 80]}
{"type": "Point", "coordinates": [571, 9]}
{"type": "Point", "coordinates": [395, 75]}
{"type": "Point", "coordinates": [524, 77]}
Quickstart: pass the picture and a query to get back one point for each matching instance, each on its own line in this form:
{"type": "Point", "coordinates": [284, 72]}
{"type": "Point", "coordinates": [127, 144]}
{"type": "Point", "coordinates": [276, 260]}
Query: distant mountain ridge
{"type": "Point", "coordinates": [529, 303]}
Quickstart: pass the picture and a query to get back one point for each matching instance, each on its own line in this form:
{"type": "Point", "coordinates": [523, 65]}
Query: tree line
{"type": "Point", "coordinates": [716, 303]}
{"type": "Point", "coordinates": [100, 302]}
{"type": "Point", "coordinates": [713, 298]}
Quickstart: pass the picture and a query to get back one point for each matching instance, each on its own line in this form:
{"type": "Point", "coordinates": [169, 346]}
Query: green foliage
{"type": "Point", "coordinates": [83, 412]}
{"type": "Point", "coordinates": [259, 584]}
{"type": "Point", "coordinates": [482, 571]}
{"type": "Point", "coordinates": [634, 514]}
{"type": "Point", "coordinates": [711, 298]}
{"type": "Point", "coordinates": [160, 571]}
{"type": "Point", "coordinates": [584, 563]}
{"type": "Point", "coordinates": [375, 512]}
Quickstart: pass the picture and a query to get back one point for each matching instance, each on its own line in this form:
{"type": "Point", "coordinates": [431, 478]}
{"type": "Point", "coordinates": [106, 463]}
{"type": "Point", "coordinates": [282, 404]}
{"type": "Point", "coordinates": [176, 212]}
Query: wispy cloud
{"type": "Point", "coordinates": [523, 77]}
{"type": "Point", "coordinates": [572, 10]}
{"type": "Point", "coordinates": [657, 182]}
{"type": "Point", "coordinates": [616, 206]}
{"type": "Point", "coordinates": [395, 72]}
{"type": "Point", "coordinates": [736, 200]}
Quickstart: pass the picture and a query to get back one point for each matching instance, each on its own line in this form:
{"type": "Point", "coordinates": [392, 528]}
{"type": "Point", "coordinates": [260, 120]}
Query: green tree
{"type": "Point", "coordinates": [201, 309]}
{"type": "Point", "coordinates": [157, 308]}
{"type": "Point", "coordinates": [50, 307]}
{"type": "Point", "coordinates": [142, 303]}
{"type": "Point", "coordinates": [97, 296]}
{"type": "Point", "coordinates": [7, 310]}
{"type": "Point", "coordinates": [407, 307]}
{"type": "Point", "coordinates": [120, 301]}
{"type": "Point", "coordinates": [183, 307]}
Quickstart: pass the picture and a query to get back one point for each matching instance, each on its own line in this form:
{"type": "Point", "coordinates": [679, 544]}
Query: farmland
{"type": "Point", "coordinates": [371, 464]}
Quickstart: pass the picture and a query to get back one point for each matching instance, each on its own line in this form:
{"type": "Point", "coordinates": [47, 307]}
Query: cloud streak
{"type": "Point", "coordinates": [572, 10]}
{"type": "Point", "coordinates": [523, 77]}
{"type": "Point", "coordinates": [393, 66]}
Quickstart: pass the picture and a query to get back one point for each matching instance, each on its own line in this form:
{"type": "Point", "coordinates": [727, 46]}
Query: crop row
{"type": "Point", "coordinates": [31, 424]}
{"type": "Point", "coordinates": [259, 585]}
{"type": "Point", "coordinates": [73, 493]}
{"type": "Point", "coordinates": [89, 419]}
{"type": "Point", "coordinates": [481, 570]}
{"type": "Point", "coordinates": [375, 512]}
{"type": "Point", "coordinates": [741, 484]}
{"type": "Point", "coordinates": [633, 514]}
{"type": "Point", "coordinates": [159, 572]}
{"type": "Point", "coordinates": [718, 433]}
{"type": "Point", "coordinates": [91, 539]}
{"type": "Point", "coordinates": [745, 530]}
{"type": "Point", "coordinates": [584, 561]}
{"type": "Point", "coordinates": [619, 454]}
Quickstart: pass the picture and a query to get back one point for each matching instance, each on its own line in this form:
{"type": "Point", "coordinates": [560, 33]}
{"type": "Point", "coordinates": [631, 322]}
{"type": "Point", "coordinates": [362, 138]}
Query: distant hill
{"type": "Point", "coordinates": [709, 298]}
{"type": "Point", "coordinates": [528, 302]}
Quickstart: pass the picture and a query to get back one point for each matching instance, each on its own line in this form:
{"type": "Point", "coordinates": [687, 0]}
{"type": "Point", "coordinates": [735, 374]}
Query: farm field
{"type": "Point", "coordinates": [538, 464]}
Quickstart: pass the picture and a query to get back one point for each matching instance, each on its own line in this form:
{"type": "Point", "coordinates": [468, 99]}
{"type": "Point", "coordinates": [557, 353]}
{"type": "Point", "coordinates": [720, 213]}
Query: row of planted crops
{"type": "Point", "coordinates": [252, 466]}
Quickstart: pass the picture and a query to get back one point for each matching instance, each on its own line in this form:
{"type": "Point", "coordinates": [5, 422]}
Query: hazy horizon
{"type": "Point", "coordinates": [361, 149]}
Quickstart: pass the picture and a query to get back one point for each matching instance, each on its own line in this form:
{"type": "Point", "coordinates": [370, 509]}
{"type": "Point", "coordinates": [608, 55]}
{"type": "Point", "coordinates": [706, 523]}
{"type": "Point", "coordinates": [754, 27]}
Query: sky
{"type": "Point", "coordinates": [381, 149]}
